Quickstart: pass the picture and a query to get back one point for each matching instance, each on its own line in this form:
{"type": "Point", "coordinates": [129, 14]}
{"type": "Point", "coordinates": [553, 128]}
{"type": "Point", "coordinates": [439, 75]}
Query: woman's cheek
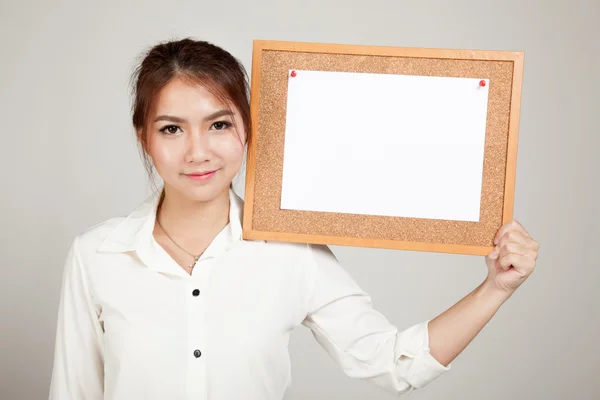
{"type": "Point", "coordinates": [229, 147]}
{"type": "Point", "coordinates": [164, 156]}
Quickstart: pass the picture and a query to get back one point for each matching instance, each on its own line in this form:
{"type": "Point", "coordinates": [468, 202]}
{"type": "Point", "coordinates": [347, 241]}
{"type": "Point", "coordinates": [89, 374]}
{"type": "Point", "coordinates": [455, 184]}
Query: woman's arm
{"type": "Point", "coordinates": [78, 372]}
{"type": "Point", "coordinates": [509, 264]}
{"type": "Point", "coordinates": [367, 346]}
{"type": "Point", "coordinates": [358, 337]}
{"type": "Point", "coordinates": [453, 330]}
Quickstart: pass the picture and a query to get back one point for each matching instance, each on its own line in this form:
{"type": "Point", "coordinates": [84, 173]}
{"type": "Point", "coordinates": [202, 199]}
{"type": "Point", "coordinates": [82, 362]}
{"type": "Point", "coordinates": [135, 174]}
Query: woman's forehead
{"type": "Point", "coordinates": [187, 97]}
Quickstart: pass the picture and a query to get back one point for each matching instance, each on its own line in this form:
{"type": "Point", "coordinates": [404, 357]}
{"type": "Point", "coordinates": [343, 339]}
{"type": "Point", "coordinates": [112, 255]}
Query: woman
{"type": "Point", "coordinates": [171, 303]}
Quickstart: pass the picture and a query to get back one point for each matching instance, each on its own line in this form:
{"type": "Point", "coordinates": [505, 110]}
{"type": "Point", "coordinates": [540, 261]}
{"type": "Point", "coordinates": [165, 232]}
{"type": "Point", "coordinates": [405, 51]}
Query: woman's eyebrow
{"type": "Point", "coordinates": [216, 114]}
{"type": "Point", "coordinates": [169, 118]}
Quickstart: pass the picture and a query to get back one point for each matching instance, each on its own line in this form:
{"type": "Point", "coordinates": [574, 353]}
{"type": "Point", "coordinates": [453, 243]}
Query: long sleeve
{"type": "Point", "coordinates": [78, 372]}
{"type": "Point", "coordinates": [359, 338]}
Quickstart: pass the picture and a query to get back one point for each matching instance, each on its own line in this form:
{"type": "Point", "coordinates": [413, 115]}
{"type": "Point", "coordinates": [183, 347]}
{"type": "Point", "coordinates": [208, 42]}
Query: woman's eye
{"type": "Point", "coordinates": [220, 125]}
{"type": "Point", "coordinates": [170, 129]}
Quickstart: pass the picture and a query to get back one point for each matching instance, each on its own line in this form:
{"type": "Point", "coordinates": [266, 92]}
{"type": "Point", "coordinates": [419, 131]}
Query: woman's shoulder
{"type": "Point", "coordinates": [92, 237]}
{"type": "Point", "coordinates": [101, 229]}
{"type": "Point", "coordinates": [117, 231]}
{"type": "Point", "coordinates": [303, 253]}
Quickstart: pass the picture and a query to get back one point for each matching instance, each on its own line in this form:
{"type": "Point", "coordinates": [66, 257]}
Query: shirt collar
{"type": "Point", "coordinates": [135, 232]}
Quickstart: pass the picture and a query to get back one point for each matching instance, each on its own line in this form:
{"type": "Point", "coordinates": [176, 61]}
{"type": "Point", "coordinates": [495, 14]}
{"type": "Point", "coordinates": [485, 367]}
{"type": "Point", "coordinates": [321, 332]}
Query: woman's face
{"type": "Point", "coordinates": [192, 140]}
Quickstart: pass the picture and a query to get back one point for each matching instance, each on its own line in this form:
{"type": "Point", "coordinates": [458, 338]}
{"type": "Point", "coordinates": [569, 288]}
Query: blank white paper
{"type": "Point", "coordinates": [378, 144]}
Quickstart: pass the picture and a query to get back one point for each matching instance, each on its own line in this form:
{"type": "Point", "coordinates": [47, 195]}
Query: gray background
{"type": "Point", "coordinates": [68, 160]}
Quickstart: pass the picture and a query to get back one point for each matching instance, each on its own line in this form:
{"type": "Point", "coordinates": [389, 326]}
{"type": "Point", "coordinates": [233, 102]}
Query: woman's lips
{"type": "Point", "coordinates": [203, 176]}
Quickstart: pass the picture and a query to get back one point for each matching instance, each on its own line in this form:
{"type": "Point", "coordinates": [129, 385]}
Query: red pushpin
{"type": "Point", "coordinates": [293, 74]}
{"type": "Point", "coordinates": [482, 83]}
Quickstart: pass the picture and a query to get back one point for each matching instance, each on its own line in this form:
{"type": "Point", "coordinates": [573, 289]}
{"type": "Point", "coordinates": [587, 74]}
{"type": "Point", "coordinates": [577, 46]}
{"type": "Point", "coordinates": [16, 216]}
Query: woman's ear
{"type": "Point", "coordinates": [141, 140]}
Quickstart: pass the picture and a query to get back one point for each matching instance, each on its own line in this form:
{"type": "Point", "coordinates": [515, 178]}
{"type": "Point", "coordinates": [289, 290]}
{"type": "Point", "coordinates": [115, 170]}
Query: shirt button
{"type": "Point", "coordinates": [197, 353]}
{"type": "Point", "coordinates": [196, 292]}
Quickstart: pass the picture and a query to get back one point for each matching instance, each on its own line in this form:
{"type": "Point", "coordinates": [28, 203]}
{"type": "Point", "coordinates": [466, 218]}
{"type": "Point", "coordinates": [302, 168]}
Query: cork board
{"type": "Point", "coordinates": [265, 220]}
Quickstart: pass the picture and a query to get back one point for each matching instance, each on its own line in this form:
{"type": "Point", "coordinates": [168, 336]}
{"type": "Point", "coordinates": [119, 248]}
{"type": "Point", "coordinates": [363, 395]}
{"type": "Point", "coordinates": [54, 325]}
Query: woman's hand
{"type": "Point", "coordinates": [513, 259]}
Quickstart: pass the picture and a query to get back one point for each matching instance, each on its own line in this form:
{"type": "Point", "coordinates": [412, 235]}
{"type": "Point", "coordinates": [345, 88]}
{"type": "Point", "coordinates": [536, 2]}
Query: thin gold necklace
{"type": "Point", "coordinates": [196, 258]}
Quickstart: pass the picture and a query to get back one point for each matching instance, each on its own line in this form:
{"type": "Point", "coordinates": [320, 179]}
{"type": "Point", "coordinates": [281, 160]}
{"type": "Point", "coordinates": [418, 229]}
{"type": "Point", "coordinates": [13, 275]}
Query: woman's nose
{"type": "Point", "coordinates": [197, 148]}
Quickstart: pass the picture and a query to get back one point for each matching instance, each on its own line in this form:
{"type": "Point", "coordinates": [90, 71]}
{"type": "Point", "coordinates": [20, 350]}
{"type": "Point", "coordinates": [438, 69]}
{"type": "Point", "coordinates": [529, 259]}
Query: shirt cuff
{"type": "Point", "coordinates": [422, 367]}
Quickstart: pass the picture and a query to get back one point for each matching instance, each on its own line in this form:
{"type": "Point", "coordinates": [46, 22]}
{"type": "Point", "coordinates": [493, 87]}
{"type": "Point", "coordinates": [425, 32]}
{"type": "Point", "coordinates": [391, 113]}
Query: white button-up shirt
{"type": "Point", "coordinates": [133, 324]}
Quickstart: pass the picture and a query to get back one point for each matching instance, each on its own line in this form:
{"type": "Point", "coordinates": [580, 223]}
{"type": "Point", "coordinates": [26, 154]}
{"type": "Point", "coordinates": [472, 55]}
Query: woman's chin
{"type": "Point", "coordinates": [204, 193]}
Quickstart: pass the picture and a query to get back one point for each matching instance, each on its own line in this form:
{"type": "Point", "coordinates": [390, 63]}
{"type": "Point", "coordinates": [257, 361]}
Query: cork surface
{"type": "Point", "coordinates": [269, 137]}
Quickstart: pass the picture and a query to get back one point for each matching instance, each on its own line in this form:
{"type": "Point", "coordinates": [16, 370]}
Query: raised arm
{"type": "Point", "coordinates": [359, 338]}
{"type": "Point", "coordinates": [509, 264]}
{"type": "Point", "coordinates": [366, 346]}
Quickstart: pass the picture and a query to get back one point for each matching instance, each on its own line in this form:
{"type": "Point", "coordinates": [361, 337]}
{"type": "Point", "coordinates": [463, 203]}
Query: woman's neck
{"type": "Point", "coordinates": [193, 225]}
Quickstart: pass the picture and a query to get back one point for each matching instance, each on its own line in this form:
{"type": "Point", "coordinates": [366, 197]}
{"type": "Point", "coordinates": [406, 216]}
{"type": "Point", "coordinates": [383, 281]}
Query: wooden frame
{"type": "Point", "coordinates": [252, 232]}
